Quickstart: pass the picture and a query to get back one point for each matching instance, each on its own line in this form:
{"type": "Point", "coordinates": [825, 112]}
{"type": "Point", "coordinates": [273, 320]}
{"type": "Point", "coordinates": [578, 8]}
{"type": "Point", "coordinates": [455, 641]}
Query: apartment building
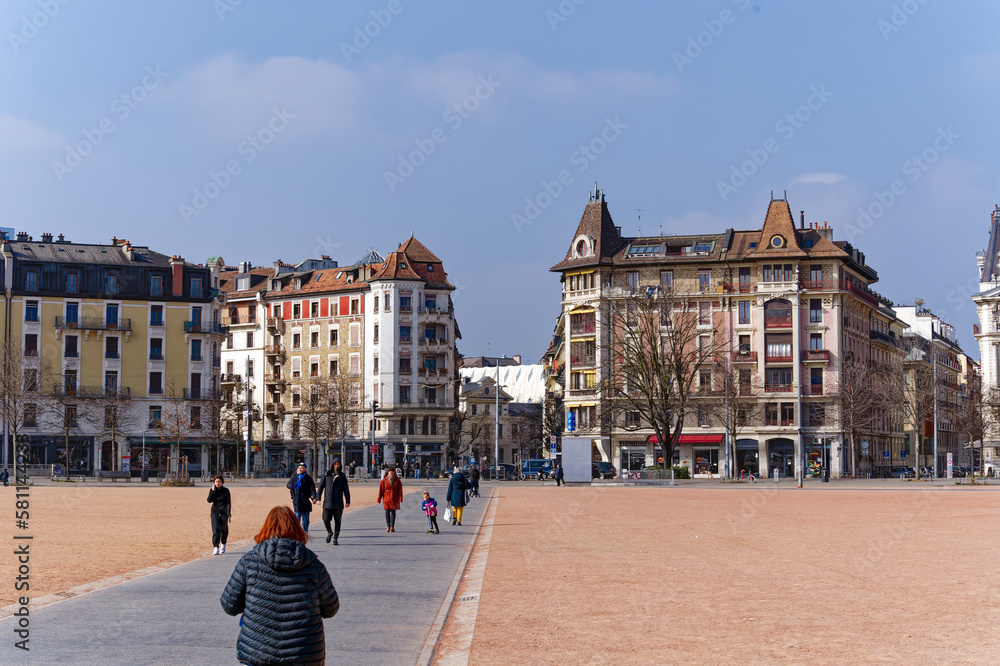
{"type": "Point", "coordinates": [379, 336]}
{"type": "Point", "coordinates": [987, 333]}
{"type": "Point", "coordinates": [117, 340]}
{"type": "Point", "coordinates": [785, 306]}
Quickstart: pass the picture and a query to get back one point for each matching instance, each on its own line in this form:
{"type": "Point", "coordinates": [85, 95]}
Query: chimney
{"type": "Point", "coordinates": [62, 239]}
{"type": "Point", "coordinates": [22, 236]}
{"type": "Point", "coordinates": [177, 271]}
{"type": "Point", "coordinates": [517, 359]}
{"type": "Point", "coordinates": [114, 240]}
{"type": "Point", "coordinates": [802, 219]}
{"type": "Point", "coordinates": [46, 238]}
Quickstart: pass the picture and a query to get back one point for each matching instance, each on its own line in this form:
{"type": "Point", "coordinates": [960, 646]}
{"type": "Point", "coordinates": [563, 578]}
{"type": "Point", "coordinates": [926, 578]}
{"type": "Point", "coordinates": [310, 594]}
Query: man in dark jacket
{"type": "Point", "coordinates": [474, 481]}
{"type": "Point", "coordinates": [338, 496]}
{"type": "Point", "coordinates": [222, 513]}
{"type": "Point", "coordinates": [303, 490]}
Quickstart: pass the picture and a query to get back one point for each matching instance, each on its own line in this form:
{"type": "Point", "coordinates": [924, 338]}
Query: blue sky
{"type": "Point", "coordinates": [265, 130]}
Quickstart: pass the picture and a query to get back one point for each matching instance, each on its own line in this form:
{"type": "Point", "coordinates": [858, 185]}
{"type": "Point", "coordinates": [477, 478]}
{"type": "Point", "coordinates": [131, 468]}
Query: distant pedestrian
{"type": "Point", "coordinates": [303, 490]}
{"type": "Point", "coordinates": [5, 477]}
{"type": "Point", "coordinates": [353, 467]}
{"type": "Point", "coordinates": [222, 514]}
{"type": "Point", "coordinates": [430, 508]}
{"type": "Point", "coordinates": [559, 476]}
{"type": "Point", "coordinates": [338, 496]}
{"type": "Point", "coordinates": [427, 471]}
{"type": "Point", "coordinates": [284, 592]}
{"type": "Point", "coordinates": [474, 481]}
{"type": "Point", "coordinates": [456, 496]}
{"type": "Point", "coordinates": [390, 496]}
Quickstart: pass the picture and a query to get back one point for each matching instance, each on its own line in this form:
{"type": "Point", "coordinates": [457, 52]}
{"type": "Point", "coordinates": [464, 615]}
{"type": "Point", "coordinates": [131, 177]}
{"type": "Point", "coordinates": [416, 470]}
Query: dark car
{"type": "Point", "coordinates": [603, 470]}
{"type": "Point", "coordinates": [902, 473]}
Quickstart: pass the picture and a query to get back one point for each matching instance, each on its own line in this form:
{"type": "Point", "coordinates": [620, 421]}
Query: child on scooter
{"type": "Point", "coordinates": [430, 508]}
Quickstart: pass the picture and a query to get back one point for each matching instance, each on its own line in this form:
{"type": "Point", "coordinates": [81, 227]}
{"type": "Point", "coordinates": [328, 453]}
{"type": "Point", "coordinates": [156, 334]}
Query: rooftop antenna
{"type": "Point", "coordinates": [639, 211]}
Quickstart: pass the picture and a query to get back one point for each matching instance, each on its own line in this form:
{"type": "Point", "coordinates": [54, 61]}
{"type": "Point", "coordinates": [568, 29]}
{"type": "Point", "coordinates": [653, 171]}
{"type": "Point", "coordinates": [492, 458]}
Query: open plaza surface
{"type": "Point", "coordinates": [844, 572]}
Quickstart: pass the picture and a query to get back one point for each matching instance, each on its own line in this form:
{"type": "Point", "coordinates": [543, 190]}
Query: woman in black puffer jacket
{"type": "Point", "coordinates": [284, 592]}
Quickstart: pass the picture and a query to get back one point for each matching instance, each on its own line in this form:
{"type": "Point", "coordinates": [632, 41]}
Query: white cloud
{"type": "Point", "coordinates": [22, 134]}
{"type": "Point", "coordinates": [818, 177]}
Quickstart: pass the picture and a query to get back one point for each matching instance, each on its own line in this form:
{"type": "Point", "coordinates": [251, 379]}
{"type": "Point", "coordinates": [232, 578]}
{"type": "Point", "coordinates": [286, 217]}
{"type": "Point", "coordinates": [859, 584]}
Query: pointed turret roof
{"type": "Point", "coordinates": [778, 237]}
{"type": "Point", "coordinates": [417, 251]}
{"type": "Point", "coordinates": [396, 267]}
{"type": "Point", "coordinates": [597, 225]}
{"type": "Point", "coordinates": [991, 267]}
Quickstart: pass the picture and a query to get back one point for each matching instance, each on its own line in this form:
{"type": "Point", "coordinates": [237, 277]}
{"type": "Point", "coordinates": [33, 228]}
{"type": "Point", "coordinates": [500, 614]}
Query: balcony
{"type": "Point", "coordinates": [275, 325]}
{"type": "Point", "coordinates": [92, 392]}
{"type": "Point", "coordinates": [778, 321]}
{"type": "Point", "coordinates": [861, 293]}
{"type": "Point", "coordinates": [582, 328]}
{"type": "Point", "coordinates": [193, 394]}
{"type": "Point", "coordinates": [274, 350]}
{"type": "Point", "coordinates": [113, 355]}
{"type": "Point", "coordinates": [271, 379]}
{"type": "Point", "coordinates": [274, 409]}
{"type": "Point", "coordinates": [812, 389]}
{"type": "Point", "coordinates": [583, 360]}
{"type": "Point", "coordinates": [203, 327]}
{"type": "Point", "coordinates": [241, 319]}
{"type": "Point", "coordinates": [94, 324]}
{"type": "Point", "coordinates": [744, 356]}
{"type": "Point", "coordinates": [778, 356]}
{"type": "Point", "coordinates": [813, 355]}
{"type": "Point", "coordinates": [230, 379]}
{"type": "Point", "coordinates": [884, 338]}
{"type": "Point", "coordinates": [739, 288]}
{"type": "Point", "coordinates": [778, 388]}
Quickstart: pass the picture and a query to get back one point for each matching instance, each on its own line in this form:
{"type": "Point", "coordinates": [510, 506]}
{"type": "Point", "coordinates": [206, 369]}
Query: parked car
{"type": "Point", "coordinates": [902, 473]}
{"type": "Point", "coordinates": [508, 471]}
{"type": "Point", "coordinates": [530, 468]}
{"type": "Point", "coordinates": [603, 470]}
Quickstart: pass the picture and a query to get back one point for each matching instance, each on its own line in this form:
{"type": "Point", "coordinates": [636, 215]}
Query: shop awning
{"type": "Point", "coordinates": [691, 439]}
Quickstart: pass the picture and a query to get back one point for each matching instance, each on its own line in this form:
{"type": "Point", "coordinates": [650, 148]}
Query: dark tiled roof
{"type": "Point", "coordinates": [597, 223]}
{"type": "Point", "coordinates": [84, 253]}
{"type": "Point", "coordinates": [417, 251]}
{"type": "Point", "coordinates": [258, 282]}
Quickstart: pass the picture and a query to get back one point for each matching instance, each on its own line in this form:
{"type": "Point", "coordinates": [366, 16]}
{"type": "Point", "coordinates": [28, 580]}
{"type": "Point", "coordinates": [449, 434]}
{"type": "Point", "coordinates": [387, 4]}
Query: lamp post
{"type": "Point", "coordinates": [144, 475]}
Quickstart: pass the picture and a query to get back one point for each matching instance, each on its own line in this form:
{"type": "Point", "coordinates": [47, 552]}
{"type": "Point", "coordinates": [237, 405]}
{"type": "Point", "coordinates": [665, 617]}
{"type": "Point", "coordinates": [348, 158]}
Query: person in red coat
{"type": "Point", "coordinates": [390, 495]}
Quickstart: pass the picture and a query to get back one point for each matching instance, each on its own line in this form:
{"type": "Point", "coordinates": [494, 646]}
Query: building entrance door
{"type": "Point", "coordinates": [781, 456]}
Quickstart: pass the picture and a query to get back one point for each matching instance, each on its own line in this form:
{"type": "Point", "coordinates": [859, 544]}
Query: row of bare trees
{"type": "Point", "coordinates": [658, 348]}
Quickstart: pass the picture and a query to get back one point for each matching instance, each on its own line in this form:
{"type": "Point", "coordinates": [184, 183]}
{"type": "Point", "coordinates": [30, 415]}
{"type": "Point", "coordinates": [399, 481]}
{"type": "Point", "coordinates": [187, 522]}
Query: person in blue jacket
{"type": "Point", "coordinates": [303, 490]}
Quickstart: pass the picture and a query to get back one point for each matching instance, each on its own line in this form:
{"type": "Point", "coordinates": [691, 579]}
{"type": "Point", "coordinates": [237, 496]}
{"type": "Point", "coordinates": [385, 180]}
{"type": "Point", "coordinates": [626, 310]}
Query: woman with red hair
{"type": "Point", "coordinates": [390, 496]}
{"type": "Point", "coordinates": [284, 592]}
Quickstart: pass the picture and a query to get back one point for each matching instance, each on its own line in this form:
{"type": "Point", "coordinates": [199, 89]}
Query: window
{"type": "Point", "coordinates": [816, 381]}
{"type": "Point", "coordinates": [430, 395]}
{"type": "Point", "coordinates": [744, 308]}
{"type": "Point", "coordinates": [404, 365]}
{"type": "Point", "coordinates": [355, 364]}
{"type": "Point", "coordinates": [155, 285]}
{"type": "Point", "coordinates": [778, 347]}
{"type": "Point", "coordinates": [30, 416]}
{"type": "Point", "coordinates": [474, 410]}
{"type": "Point", "coordinates": [314, 309]}
{"type": "Point", "coordinates": [196, 386]}
{"type": "Point", "coordinates": [156, 383]}
{"type": "Point", "coordinates": [334, 367]}
{"type": "Point", "coordinates": [155, 416]}
{"type": "Point", "coordinates": [31, 344]}
{"type": "Point", "coordinates": [815, 310]}
{"type": "Point", "coordinates": [778, 379]}
{"type": "Point", "coordinates": [31, 311]}
{"type": "Point", "coordinates": [31, 279]}
{"type": "Point", "coordinates": [355, 306]}
{"type": "Point", "coordinates": [430, 301]}
{"type": "Point", "coordinates": [314, 369]}
{"type": "Point", "coordinates": [196, 350]}
{"type": "Point", "coordinates": [404, 333]}
{"type": "Point", "coordinates": [789, 272]}
{"type": "Point", "coordinates": [705, 380]}
{"type": "Point", "coordinates": [250, 368]}
{"type": "Point", "coordinates": [745, 284]}
{"type": "Point", "coordinates": [110, 383]}
{"type": "Point", "coordinates": [69, 382]}
{"type": "Point", "coordinates": [30, 379]}
{"type": "Point", "coordinates": [72, 282]}
{"type": "Point", "coordinates": [632, 280]}
{"type": "Point", "coordinates": [354, 334]}
{"type": "Point", "coordinates": [704, 313]}
{"type": "Point", "coordinates": [156, 315]}
{"type": "Point", "coordinates": [375, 333]}
{"type": "Point", "coordinates": [704, 418]}
{"type": "Point", "coordinates": [766, 274]}
{"type": "Point", "coordinates": [72, 314]}
{"type": "Point", "coordinates": [375, 365]}
{"type": "Point", "coordinates": [817, 415]}
{"type": "Point", "coordinates": [296, 398]}
{"type": "Point", "coordinates": [249, 339]}
{"type": "Point", "coordinates": [72, 349]}
{"type": "Point", "coordinates": [815, 342]}
{"type": "Point", "coordinates": [111, 347]}
{"type": "Point", "coordinates": [296, 340]}
{"type": "Point", "coordinates": [71, 416]}
{"type": "Point", "coordinates": [704, 280]}
{"type": "Point", "coordinates": [771, 414]}
{"type": "Point", "coordinates": [296, 367]}
{"type": "Point", "coordinates": [816, 273]}
{"type": "Point", "coordinates": [196, 318]}
{"type": "Point", "coordinates": [296, 429]}
{"type": "Point", "coordinates": [744, 344]}
{"type": "Point", "coordinates": [787, 413]}
{"type": "Point", "coordinates": [334, 337]}
{"type": "Point", "coordinates": [196, 290]}
{"type": "Point", "coordinates": [111, 315]}
{"type": "Point", "coordinates": [404, 394]}
{"type": "Point", "coordinates": [633, 419]}
{"type": "Point", "coordinates": [156, 349]}
{"type": "Point", "coordinates": [296, 310]}
{"type": "Point", "coordinates": [744, 380]}
{"type": "Point", "coordinates": [111, 283]}
{"type": "Point", "coordinates": [314, 339]}
{"type": "Point", "coordinates": [196, 417]}
{"type": "Point", "coordinates": [375, 305]}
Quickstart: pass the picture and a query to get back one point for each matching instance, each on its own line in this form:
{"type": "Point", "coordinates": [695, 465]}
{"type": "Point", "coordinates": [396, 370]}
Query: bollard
{"type": "Point", "coordinates": [775, 474]}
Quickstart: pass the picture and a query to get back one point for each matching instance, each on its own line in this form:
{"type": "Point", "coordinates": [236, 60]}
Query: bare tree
{"type": "Point", "coordinates": [340, 391]}
{"type": "Point", "coordinates": [735, 401]}
{"type": "Point", "coordinates": [974, 415]}
{"type": "Point", "coordinates": [868, 395]}
{"type": "Point", "coordinates": [112, 413]}
{"type": "Point", "coordinates": [475, 431]}
{"type": "Point", "coordinates": [653, 352]}
{"type": "Point", "coordinates": [527, 427]}
{"type": "Point", "coordinates": [314, 416]}
{"type": "Point", "coordinates": [66, 408]}
{"type": "Point", "coordinates": [21, 380]}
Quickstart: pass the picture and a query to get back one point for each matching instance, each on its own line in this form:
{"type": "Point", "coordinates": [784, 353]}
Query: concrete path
{"type": "Point", "coordinates": [391, 588]}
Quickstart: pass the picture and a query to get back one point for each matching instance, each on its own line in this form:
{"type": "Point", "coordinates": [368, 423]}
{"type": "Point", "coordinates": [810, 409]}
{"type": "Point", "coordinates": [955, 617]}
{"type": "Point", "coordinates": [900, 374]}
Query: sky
{"type": "Point", "coordinates": [266, 130]}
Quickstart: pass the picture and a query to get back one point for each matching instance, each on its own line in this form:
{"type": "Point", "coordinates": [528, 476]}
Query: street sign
{"type": "Point", "coordinates": [885, 454]}
{"type": "Point", "coordinates": [552, 440]}
{"type": "Point", "coordinates": [902, 454]}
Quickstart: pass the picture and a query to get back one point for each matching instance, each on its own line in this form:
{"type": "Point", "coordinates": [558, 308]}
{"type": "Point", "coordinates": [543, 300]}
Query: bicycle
{"type": "Point", "coordinates": [750, 476]}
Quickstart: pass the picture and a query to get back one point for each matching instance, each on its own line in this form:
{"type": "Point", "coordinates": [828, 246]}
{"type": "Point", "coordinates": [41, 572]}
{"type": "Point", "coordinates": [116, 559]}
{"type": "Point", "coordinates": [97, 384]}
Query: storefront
{"type": "Point", "coordinates": [704, 453]}
{"type": "Point", "coordinates": [157, 456]}
{"type": "Point", "coordinates": [747, 456]}
{"type": "Point", "coordinates": [420, 456]}
{"type": "Point", "coordinates": [52, 451]}
{"type": "Point", "coordinates": [818, 454]}
{"type": "Point", "coordinates": [781, 457]}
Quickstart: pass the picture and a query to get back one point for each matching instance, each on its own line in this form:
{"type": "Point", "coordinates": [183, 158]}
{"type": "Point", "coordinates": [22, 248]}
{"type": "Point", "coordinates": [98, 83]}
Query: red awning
{"type": "Point", "coordinates": [690, 439]}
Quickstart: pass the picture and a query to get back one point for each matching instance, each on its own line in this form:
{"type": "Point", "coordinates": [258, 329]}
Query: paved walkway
{"type": "Point", "coordinates": [391, 588]}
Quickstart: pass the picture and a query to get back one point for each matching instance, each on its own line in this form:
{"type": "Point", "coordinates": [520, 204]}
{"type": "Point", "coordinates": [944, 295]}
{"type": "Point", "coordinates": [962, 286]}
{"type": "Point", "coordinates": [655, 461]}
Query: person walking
{"type": "Point", "coordinates": [430, 508]}
{"type": "Point", "coordinates": [5, 477]}
{"type": "Point", "coordinates": [390, 496]}
{"type": "Point", "coordinates": [222, 514]}
{"type": "Point", "coordinates": [456, 495]}
{"type": "Point", "coordinates": [303, 490]}
{"type": "Point", "coordinates": [474, 481]}
{"type": "Point", "coordinates": [352, 467]}
{"type": "Point", "coordinates": [338, 496]}
{"type": "Point", "coordinates": [559, 476]}
{"type": "Point", "coordinates": [280, 567]}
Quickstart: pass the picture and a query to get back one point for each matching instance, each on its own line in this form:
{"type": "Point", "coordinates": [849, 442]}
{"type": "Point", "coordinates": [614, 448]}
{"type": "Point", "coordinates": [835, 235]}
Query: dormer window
{"type": "Point", "coordinates": [430, 268]}
{"type": "Point", "coordinates": [402, 264]}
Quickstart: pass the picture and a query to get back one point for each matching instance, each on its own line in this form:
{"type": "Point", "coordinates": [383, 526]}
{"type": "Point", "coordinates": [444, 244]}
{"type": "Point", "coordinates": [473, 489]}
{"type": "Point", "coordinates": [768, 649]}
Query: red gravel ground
{"type": "Point", "coordinates": [745, 574]}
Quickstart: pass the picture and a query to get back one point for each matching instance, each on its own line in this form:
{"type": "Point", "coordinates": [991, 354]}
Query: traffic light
{"type": "Point", "coordinates": [374, 405]}
{"type": "Point", "coordinates": [571, 421]}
